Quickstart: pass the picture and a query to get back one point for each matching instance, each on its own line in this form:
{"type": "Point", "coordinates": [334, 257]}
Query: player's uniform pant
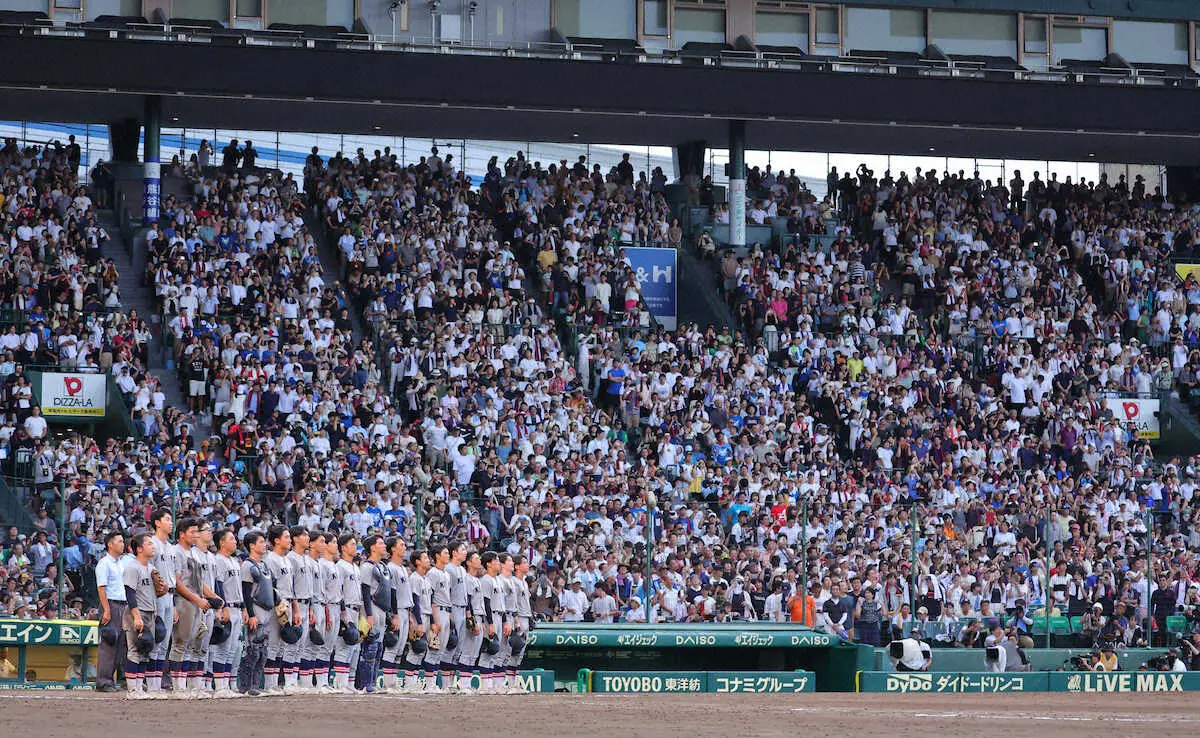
{"type": "Point", "coordinates": [469, 647]}
{"type": "Point", "coordinates": [392, 657]}
{"type": "Point", "coordinates": [136, 665]}
{"type": "Point", "coordinates": [333, 616]}
{"type": "Point", "coordinates": [226, 655]}
{"type": "Point", "coordinates": [413, 661]}
{"type": "Point", "coordinates": [436, 657]}
{"type": "Point", "coordinates": [197, 656]}
{"type": "Point", "coordinates": [491, 666]}
{"type": "Point", "coordinates": [275, 646]}
{"type": "Point", "coordinates": [458, 620]}
{"type": "Point", "coordinates": [291, 651]}
{"type": "Point", "coordinates": [311, 662]}
{"type": "Point", "coordinates": [155, 674]}
{"type": "Point", "coordinates": [515, 657]}
{"type": "Point", "coordinates": [345, 656]}
{"type": "Point", "coordinates": [183, 636]}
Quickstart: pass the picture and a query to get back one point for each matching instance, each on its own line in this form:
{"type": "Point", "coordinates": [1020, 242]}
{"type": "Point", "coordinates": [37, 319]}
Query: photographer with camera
{"type": "Point", "coordinates": [1001, 652]}
{"type": "Point", "coordinates": [1189, 650]}
{"type": "Point", "coordinates": [1020, 625]}
{"type": "Point", "coordinates": [910, 654]}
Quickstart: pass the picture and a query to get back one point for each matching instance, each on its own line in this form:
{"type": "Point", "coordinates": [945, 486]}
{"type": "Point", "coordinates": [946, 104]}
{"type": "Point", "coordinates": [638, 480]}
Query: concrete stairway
{"type": "Point", "coordinates": [130, 259]}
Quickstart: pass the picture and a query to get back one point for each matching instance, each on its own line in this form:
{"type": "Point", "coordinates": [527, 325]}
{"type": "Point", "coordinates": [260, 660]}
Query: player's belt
{"type": "Point", "coordinates": [459, 607]}
{"type": "Point", "coordinates": [443, 608]}
{"type": "Point", "coordinates": [303, 601]}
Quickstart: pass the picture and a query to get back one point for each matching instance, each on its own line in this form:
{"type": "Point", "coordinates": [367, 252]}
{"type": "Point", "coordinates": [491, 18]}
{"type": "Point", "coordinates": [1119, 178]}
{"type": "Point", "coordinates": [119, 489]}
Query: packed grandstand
{"type": "Point", "coordinates": [916, 375]}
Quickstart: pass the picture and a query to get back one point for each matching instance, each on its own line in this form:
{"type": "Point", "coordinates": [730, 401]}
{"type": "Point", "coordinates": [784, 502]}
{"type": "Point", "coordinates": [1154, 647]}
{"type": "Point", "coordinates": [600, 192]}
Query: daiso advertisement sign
{"type": "Point", "coordinates": [73, 395]}
{"type": "Point", "coordinates": [1140, 416]}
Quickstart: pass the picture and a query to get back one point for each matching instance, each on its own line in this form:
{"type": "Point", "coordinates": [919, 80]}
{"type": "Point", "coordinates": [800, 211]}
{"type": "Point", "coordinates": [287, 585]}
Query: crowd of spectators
{"type": "Point", "coordinates": [934, 376]}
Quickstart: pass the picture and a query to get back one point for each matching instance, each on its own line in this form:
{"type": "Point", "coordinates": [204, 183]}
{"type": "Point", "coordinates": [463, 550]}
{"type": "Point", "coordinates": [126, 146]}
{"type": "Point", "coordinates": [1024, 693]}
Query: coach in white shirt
{"type": "Point", "coordinates": [110, 586]}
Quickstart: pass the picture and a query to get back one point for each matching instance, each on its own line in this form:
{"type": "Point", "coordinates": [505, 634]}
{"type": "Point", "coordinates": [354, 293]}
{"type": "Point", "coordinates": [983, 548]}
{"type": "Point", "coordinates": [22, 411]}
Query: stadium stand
{"type": "Point", "coordinates": [925, 358]}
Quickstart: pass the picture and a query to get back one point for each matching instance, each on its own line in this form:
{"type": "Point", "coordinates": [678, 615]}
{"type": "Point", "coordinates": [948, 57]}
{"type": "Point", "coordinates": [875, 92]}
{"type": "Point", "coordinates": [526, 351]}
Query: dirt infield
{"type": "Point", "coordinates": [50, 714]}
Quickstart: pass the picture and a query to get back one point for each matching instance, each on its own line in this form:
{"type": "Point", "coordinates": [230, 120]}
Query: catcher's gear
{"type": "Point", "coordinates": [452, 640]}
{"type": "Point", "coordinates": [220, 632]}
{"type": "Point", "coordinates": [516, 641]}
{"type": "Point", "coordinates": [315, 637]}
{"type": "Point", "coordinates": [160, 584]}
{"type": "Point", "coordinates": [290, 633]}
{"type": "Point", "coordinates": [160, 630]}
{"type": "Point", "coordinates": [348, 634]}
{"type": "Point", "coordinates": [491, 645]}
{"type": "Point", "coordinates": [419, 645]}
{"type": "Point", "coordinates": [391, 638]}
{"type": "Point", "coordinates": [144, 643]}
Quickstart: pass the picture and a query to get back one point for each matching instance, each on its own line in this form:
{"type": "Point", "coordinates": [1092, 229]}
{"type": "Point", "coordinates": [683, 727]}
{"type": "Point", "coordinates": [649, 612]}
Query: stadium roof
{"type": "Point", "coordinates": [513, 97]}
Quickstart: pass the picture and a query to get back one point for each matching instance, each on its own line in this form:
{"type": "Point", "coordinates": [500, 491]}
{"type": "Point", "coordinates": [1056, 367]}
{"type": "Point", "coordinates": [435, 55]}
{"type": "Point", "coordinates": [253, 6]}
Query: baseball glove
{"type": "Point", "coordinates": [472, 625]}
{"type": "Point", "coordinates": [413, 633]}
{"type": "Point", "coordinates": [282, 614]}
{"type": "Point", "coordinates": [160, 584]}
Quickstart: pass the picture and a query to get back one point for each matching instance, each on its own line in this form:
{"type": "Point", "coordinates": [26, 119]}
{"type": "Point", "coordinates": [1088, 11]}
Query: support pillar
{"type": "Point", "coordinates": [152, 179]}
{"type": "Point", "coordinates": [737, 183]}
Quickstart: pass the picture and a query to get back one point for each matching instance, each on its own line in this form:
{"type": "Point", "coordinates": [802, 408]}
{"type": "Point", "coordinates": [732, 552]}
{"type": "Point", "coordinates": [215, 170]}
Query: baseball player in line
{"type": "Point", "coordinates": [349, 579]}
{"type": "Point", "coordinates": [226, 652]}
{"type": "Point", "coordinates": [457, 579]}
{"type": "Point", "coordinates": [378, 606]}
{"type": "Point", "coordinates": [440, 630]}
{"type": "Point", "coordinates": [162, 563]}
{"type": "Point", "coordinates": [422, 607]}
{"type": "Point", "coordinates": [193, 600]}
{"type": "Point", "coordinates": [138, 621]}
{"type": "Point", "coordinates": [279, 540]}
{"type": "Point", "coordinates": [402, 619]}
{"type": "Point", "coordinates": [297, 613]}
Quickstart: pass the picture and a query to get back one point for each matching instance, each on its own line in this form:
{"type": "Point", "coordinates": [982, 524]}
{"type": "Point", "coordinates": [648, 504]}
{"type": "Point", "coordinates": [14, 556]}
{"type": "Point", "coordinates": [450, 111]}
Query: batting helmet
{"type": "Point", "coordinates": [420, 645]}
{"type": "Point", "coordinates": [109, 634]}
{"type": "Point", "coordinates": [491, 645]}
{"type": "Point", "coordinates": [220, 632]}
{"type": "Point", "coordinates": [315, 637]}
{"type": "Point", "coordinates": [144, 643]}
{"type": "Point", "coordinates": [391, 638]}
{"type": "Point", "coordinates": [160, 630]}
{"type": "Point", "coordinates": [516, 642]}
{"type": "Point", "coordinates": [452, 640]}
{"type": "Point", "coordinates": [348, 634]}
{"type": "Point", "coordinates": [290, 633]}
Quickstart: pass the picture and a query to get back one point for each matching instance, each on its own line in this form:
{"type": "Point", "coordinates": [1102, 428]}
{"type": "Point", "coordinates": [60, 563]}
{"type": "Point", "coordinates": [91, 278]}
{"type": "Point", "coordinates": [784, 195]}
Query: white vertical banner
{"type": "Point", "coordinates": [737, 212]}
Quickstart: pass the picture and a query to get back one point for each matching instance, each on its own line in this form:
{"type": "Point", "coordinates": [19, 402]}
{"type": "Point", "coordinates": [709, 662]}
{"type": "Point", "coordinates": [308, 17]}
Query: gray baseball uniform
{"type": "Point", "coordinates": [162, 562]}
{"type": "Point", "coordinates": [187, 627]}
{"type": "Point", "coordinates": [281, 572]}
{"type": "Point", "coordinates": [458, 614]}
{"type": "Point", "coordinates": [421, 589]}
{"type": "Point", "coordinates": [403, 595]}
{"type": "Point", "coordinates": [302, 588]}
{"type": "Point", "coordinates": [139, 584]}
{"type": "Point", "coordinates": [350, 582]}
{"type": "Point", "coordinates": [227, 575]}
{"type": "Point", "coordinates": [439, 583]}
